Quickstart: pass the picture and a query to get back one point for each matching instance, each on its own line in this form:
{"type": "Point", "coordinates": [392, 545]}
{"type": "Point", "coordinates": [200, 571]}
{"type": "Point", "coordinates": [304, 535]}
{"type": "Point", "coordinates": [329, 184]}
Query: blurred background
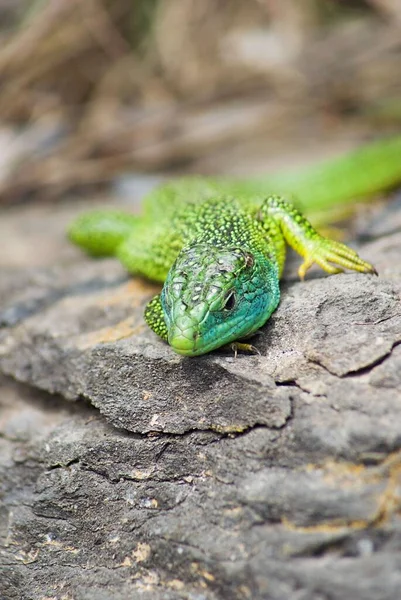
{"type": "Point", "coordinates": [109, 96]}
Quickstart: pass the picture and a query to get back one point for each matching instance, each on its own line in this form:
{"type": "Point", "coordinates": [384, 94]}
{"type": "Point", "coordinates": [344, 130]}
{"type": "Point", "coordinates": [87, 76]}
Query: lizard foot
{"type": "Point", "coordinates": [327, 253]}
{"type": "Point", "coordinates": [241, 347]}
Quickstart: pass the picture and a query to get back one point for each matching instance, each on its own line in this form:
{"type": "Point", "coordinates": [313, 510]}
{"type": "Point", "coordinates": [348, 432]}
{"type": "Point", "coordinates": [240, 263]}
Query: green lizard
{"type": "Point", "coordinates": [219, 246]}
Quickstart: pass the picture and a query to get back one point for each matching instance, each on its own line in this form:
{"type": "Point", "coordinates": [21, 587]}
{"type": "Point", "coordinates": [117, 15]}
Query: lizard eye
{"type": "Point", "coordinates": [249, 259]}
{"type": "Point", "coordinates": [229, 301]}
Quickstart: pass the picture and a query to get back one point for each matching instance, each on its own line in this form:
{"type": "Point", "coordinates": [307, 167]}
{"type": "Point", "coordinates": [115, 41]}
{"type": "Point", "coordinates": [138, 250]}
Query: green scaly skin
{"type": "Point", "coordinates": [219, 246]}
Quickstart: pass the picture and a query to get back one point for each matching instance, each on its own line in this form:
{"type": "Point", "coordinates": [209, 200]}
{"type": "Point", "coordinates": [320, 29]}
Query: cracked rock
{"type": "Point", "coordinates": [152, 476]}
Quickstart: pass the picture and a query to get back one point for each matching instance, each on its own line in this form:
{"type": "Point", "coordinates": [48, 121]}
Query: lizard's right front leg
{"type": "Point", "coordinates": [313, 247]}
{"type": "Point", "coordinates": [154, 317]}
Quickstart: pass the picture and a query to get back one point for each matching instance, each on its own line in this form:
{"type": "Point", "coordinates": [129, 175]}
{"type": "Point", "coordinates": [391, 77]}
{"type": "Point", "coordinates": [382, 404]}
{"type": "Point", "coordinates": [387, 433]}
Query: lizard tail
{"type": "Point", "coordinates": [356, 175]}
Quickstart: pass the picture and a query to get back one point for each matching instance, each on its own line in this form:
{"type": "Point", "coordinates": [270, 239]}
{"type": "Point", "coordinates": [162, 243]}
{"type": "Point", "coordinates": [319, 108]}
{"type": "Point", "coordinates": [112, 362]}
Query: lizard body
{"type": "Point", "coordinates": [219, 246]}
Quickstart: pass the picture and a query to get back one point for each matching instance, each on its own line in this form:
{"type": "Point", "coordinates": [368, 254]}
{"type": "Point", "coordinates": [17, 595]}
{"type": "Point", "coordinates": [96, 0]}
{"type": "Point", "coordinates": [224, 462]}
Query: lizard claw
{"type": "Point", "coordinates": [240, 346]}
{"type": "Point", "coordinates": [327, 253]}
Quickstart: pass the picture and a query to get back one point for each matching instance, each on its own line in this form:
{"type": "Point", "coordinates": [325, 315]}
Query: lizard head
{"type": "Point", "coordinates": [213, 296]}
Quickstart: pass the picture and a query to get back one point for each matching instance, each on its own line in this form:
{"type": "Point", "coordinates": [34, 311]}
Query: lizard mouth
{"type": "Point", "coordinates": [185, 341]}
{"type": "Point", "coordinates": [190, 342]}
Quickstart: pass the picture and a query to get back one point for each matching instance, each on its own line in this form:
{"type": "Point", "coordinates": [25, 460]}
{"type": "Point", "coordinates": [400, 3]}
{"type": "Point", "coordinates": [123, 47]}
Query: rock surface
{"type": "Point", "coordinates": [127, 471]}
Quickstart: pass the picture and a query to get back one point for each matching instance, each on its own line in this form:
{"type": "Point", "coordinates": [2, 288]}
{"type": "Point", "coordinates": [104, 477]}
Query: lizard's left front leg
{"type": "Point", "coordinates": [313, 247]}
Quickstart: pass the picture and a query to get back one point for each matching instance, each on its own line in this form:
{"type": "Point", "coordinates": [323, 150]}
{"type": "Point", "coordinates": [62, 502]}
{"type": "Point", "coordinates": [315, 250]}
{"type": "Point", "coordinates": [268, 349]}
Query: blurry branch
{"type": "Point", "coordinates": [27, 38]}
{"type": "Point", "coordinates": [390, 8]}
{"type": "Point", "coordinates": [50, 48]}
{"type": "Point", "coordinates": [103, 30]}
{"type": "Point", "coordinates": [196, 133]}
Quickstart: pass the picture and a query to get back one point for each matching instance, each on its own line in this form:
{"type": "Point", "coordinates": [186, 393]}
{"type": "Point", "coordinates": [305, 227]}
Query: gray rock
{"type": "Point", "coordinates": [146, 475]}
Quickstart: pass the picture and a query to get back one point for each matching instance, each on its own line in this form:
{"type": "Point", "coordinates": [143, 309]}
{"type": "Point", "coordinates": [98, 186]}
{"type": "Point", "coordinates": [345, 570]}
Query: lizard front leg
{"type": "Point", "coordinates": [304, 239]}
{"type": "Point", "coordinates": [154, 317]}
{"type": "Point", "coordinates": [101, 232]}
